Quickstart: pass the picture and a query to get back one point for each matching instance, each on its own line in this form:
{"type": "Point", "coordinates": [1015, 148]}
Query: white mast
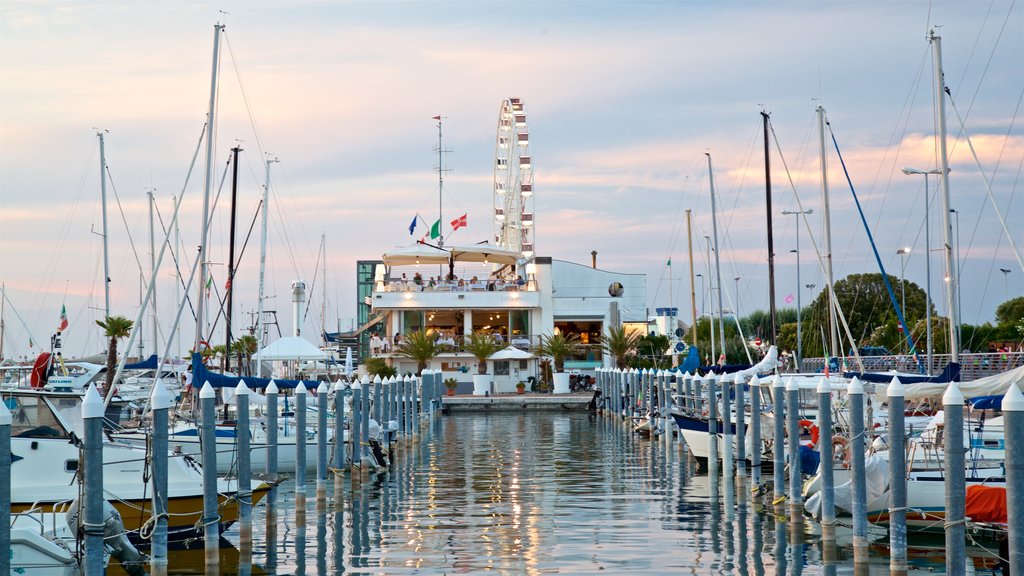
{"type": "Point", "coordinates": [947, 229]}
{"type": "Point", "coordinates": [718, 272]}
{"type": "Point", "coordinates": [263, 268]}
{"type": "Point", "coordinates": [207, 187]}
{"type": "Point", "coordinates": [833, 323]}
{"type": "Point", "coordinates": [103, 206]}
{"type": "Point", "coordinates": [152, 265]}
{"type": "Point", "coordinates": [177, 278]}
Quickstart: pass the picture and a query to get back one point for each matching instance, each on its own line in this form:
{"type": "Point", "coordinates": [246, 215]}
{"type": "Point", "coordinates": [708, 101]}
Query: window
{"type": "Point", "coordinates": [31, 417]}
{"type": "Point", "coordinates": [501, 368]}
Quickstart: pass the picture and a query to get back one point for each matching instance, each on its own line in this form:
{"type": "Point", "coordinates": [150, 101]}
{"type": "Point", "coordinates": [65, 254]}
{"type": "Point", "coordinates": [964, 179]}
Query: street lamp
{"type": "Point", "coordinates": [799, 340]}
{"type": "Point", "coordinates": [701, 276]}
{"type": "Point", "coordinates": [928, 259]}
{"type": "Point", "coordinates": [1006, 285]}
{"type": "Point", "coordinates": [904, 252]}
{"type": "Point", "coordinates": [737, 279]}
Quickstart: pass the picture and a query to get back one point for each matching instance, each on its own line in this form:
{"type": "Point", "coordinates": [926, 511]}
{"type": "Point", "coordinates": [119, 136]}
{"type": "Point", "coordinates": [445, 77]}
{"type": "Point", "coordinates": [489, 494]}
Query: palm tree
{"type": "Point", "coordinates": [559, 347]}
{"type": "Point", "coordinates": [620, 344]}
{"type": "Point", "coordinates": [244, 348]}
{"type": "Point", "coordinates": [418, 346]}
{"type": "Point", "coordinates": [115, 328]}
{"type": "Point", "coordinates": [482, 346]}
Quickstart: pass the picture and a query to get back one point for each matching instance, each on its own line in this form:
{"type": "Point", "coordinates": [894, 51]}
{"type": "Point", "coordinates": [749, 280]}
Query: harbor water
{"type": "Point", "coordinates": [541, 493]}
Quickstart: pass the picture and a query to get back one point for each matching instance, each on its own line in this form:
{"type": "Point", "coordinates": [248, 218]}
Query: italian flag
{"type": "Point", "coordinates": [63, 319]}
{"type": "Point", "coordinates": [435, 230]}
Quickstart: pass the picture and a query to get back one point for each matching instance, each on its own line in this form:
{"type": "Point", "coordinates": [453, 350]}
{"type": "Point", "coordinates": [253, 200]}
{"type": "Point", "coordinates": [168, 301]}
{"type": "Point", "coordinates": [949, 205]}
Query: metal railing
{"type": "Point", "coordinates": [972, 365]}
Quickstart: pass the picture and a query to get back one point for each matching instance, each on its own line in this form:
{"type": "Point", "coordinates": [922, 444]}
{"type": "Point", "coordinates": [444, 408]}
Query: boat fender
{"type": "Point", "coordinates": [815, 433]}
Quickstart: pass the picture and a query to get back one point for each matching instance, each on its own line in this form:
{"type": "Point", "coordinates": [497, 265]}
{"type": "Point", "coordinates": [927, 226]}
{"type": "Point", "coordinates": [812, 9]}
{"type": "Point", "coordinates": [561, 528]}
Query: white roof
{"type": "Point", "coordinates": [291, 348]}
{"type": "Point", "coordinates": [511, 353]}
{"type": "Point", "coordinates": [415, 254]}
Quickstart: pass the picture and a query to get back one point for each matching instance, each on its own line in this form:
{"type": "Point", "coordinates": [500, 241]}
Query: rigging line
{"type": "Point", "coordinates": [223, 299]}
{"type": "Point", "coordinates": [245, 97]}
{"type": "Point", "coordinates": [988, 186]}
{"type": "Point", "coordinates": [312, 286]}
{"type": "Point", "coordinates": [817, 252]}
{"type": "Point", "coordinates": [177, 265]}
{"type": "Point", "coordinates": [878, 259]}
{"type": "Point", "coordinates": [991, 54]}
{"type": "Point", "coordinates": [124, 219]}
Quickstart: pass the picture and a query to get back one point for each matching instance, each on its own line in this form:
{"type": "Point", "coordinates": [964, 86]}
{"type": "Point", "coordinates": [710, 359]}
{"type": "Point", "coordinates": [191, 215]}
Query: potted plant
{"type": "Point", "coordinates": [450, 384]}
{"type": "Point", "coordinates": [620, 345]}
{"type": "Point", "coordinates": [481, 346]}
{"type": "Point", "coordinates": [418, 346]}
{"type": "Point", "coordinates": [559, 347]}
{"type": "Point", "coordinates": [520, 387]}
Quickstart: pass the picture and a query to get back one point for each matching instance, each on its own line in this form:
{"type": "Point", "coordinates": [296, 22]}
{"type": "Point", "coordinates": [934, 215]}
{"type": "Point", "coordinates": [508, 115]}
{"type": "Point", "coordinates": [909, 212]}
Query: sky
{"type": "Point", "coordinates": [624, 100]}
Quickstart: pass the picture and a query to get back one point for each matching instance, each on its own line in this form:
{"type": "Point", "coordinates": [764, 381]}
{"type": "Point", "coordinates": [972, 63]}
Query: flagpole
{"type": "Point", "coordinates": [440, 182]}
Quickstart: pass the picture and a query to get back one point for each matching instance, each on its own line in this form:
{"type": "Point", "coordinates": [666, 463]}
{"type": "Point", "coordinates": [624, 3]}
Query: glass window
{"type": "Point", "coordinates": [501, 368]}
{"type": "Point", "coordinates": [412, 321]}
{"type": "Point", "coordinates": [31, 417]}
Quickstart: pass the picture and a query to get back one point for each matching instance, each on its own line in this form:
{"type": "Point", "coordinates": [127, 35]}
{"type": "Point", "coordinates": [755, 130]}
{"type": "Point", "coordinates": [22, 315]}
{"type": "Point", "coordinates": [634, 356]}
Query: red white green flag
{"type": "Point", "coordinates": [63, 319]}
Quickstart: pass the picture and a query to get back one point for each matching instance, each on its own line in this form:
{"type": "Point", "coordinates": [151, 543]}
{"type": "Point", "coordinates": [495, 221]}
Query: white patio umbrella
{"type": "Point", "coordinates": [484, 253]}
{"type": "Point", "coordinates": [348, 361]}
{"type": "Point", "coordinates": [511, 353]}
{"type": "Point", "coordinates": [415, 254]}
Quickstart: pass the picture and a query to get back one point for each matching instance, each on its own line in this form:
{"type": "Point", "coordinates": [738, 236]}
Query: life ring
{"type": "Point", "coordinates": [815, 433]}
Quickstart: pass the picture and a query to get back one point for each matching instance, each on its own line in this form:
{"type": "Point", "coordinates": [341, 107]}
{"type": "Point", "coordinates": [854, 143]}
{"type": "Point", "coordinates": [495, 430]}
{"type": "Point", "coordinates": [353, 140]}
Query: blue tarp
{"type": "Point", "coordinates": [950, 374]}
{"type": "Point", "coordinates": [691, 362]}
{"type": "Point", "coordinates": [987, 403]}
{"type": "Point", "coordinates": [201, 375]}
{"type": "Point", "coordinates": [147, 364]}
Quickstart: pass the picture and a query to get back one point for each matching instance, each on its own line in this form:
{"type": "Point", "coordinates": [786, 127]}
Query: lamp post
{"type": "Point", "coordinates": [701, 276]}
{"type": "Point", "coordinates": [737, 279]}
{"type": "Point", "coordinates": [1006, 283]}
{"type": "Point", "coordinates": [928, 259]}
{"type": "Point", "coordinates": [799, 340]}
{"type": "Point", "coordinates": [903, 252]}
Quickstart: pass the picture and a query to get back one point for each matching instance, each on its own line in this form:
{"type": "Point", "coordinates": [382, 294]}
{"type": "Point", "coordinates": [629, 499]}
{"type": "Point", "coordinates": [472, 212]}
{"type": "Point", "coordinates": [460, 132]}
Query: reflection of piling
{"type": "Point", "coordinates": [92, 416]}
{"type": "Point", "coordinates": [956, 490]}
{"type": "Point", "coordinates": [300, 446]}
{"type": "Point", "coordinates": [161, 402]}
{"type": "Point", "coordinates": [828, 507]}
{"type": "Point", "coordinates": [793, 416]}
{"type": "Point", "coordinates": [727, 448]}
{"type": "Point", "coordinates": [755, 431]}
{"type": "Point", "coordinates": [1013, 414]}
{"type": "Point", "coordinates": [778, 410]}
{"type": "Point", "coordinates": [897, 480]}
{"type": "Point", "coordinates": [857, 472]}
{"type": "Point", "coordinates": [208, 445]}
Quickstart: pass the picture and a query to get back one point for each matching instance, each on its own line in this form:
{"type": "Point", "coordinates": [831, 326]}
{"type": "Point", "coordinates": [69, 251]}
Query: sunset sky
{"type": "Point", "coordinates": [623, 100]}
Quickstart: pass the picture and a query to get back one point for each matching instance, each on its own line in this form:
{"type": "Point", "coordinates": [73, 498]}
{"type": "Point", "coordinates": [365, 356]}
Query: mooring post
{"type": "Point", "coordinates": [793, 415]}
{"type": "Point", "coordinates": [378, 410]}
{"type": "Point", "coordinates": [322, 406]}
{"type": "Point", "coordinates": [161, 402]}
{"type": "Point", "coordinates": [407, 406]}
{"type": "Point", "coordinates": [339, 427]}
{"type": "Point", "coordinates": [92, 416]}
{"type": "Point", "coordinates": [779, 444]}
{"type": "Point", "coordinates": [365, 412]}
{"type": "Point", "coordinates": [208, 445]}
{"type": "Point", "coordinates": [1013, 415]}
{"type": "Point", "coordinates": [712, 391]}
{"type": "Point", "coordinates": [741, 427]}
{"type": "Point", "coordinates": [5, 487]}
{"type": "Point", "coordinates": [355, 430]}
{"type": "Point", "coordinates": [897, 480]}
{"type": "Point", "coordinates": [415, 408]}
{"type": "Point", "coordinates": [271, 467]}
{"type": "Point", "coordinates": [755, 433]}
{"type": "Point", "coordinates": [857, 473]}
{"type": "Point", "coordinates": [242, 437]}
{"type": "Point", "coordinates": [300, 446]}
{"type": "Point", "coordinates": [956, 489]}
{"type": "Point", "coordinates": [828, 507]}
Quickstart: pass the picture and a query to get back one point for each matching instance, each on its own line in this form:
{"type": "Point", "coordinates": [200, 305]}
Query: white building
{"type": "Point", "coordinates": [515, 302]}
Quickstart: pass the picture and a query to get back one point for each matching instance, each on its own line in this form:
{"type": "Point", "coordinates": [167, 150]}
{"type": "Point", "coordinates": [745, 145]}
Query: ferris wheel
{"type": "Point", "coordinates": [513, 180]}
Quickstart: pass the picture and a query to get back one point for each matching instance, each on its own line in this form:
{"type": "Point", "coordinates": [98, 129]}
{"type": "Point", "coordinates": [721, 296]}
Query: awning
{"type": "Point", "coordinates": [415, 254]}
{"type": "Point", "coordinates": [484, 253]}
{"type": "Point", "coordinates": [511, 353]}
{"type": "Point", "coordinates": [291, 348]}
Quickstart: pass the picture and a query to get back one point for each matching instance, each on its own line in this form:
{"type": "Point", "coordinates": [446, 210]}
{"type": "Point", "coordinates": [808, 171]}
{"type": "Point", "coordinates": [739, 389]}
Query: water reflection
{"type": "Point", "coordinates": [530, 494]}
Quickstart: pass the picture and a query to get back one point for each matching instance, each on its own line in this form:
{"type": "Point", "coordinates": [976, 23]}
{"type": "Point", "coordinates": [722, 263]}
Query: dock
{"type": "Point", "coordinates": [516, 402]}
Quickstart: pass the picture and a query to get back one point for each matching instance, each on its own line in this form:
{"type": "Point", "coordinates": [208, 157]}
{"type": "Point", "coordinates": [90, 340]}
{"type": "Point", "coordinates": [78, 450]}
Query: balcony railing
{"type": "Point", "coordinates": [972, 366]}
{"type": "Point", "coordinates": [399, 286]}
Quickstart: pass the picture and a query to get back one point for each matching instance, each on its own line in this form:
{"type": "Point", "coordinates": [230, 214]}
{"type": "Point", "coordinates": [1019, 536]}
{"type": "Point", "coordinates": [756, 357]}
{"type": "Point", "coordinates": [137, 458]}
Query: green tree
{"type": "Point", "coordinates": [1011, 312]}
{"type": "Point", "coordinates": [620, 344]}
{"type": "Point", "coordinates": [114, 328]}
{"type": "Point", "coordinates": [482, 346]}
{"type": "Point", "coordinates": [418, 346]}
{"type": "Point", "coordinates": [244, 348]}
{"type": "Point", "coordinates": [940, 335]}
{"type": "Point", "coordinates": [378, 366]}
{"type": "Point", "coordinates": [650, 351]}
{"type": "Point", "coordinates": [558, 347]}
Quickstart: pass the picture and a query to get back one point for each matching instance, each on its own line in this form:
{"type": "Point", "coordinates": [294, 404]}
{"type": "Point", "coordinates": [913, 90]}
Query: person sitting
{"type": "Point", "coordinates": [520, 282]}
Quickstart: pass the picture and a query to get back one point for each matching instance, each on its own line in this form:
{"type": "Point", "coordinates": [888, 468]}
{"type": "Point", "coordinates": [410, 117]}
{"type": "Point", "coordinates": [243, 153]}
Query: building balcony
{"type": "Point", "coordinates": [410, 297]}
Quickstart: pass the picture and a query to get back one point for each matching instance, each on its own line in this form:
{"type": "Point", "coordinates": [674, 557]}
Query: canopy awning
{"type": "Point", "coordinates": [486, 253]}
{"type": "Point", "coordinates": [415, 254]}
{"type": "Point", "coordinates": [511, 353]}
{"type": "Point", "coordinates": [291, 348]}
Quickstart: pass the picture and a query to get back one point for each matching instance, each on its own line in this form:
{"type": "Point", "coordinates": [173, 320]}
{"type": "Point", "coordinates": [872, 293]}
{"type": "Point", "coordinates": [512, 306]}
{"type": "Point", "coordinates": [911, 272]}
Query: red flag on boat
{"type": "Point", "coordinates": [437, 117]}
{"type": "Point", "coordinates": [459, 222]}
{"type": "Point", "coordinates": [63, 319]}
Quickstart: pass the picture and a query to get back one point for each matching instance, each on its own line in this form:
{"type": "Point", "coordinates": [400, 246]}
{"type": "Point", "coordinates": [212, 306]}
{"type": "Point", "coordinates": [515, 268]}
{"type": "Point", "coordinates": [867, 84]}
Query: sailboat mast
{"type": "Point", "coordinates": [229, 301]}
{"type": "Point", "coordinates": [3, 306]}
{"type": "Point", "coordinates": [833, 322]}
{"type": "Point", "coordinates": [947, 229]}
{"type": "Point", "coordinates": [263, 268]}
{"type": "Point", "coordinates": [152, 266]}
{"type": "Point", "coordinates": [323, 302]}
{"type": "Point", "coordinates": [177, 279]}
{"type": "Point", "coordinates": [718, 269]}
{"type": "Point", "coordinates": [207, 187]}
{"type": "Point", "coordinates": [103, 209]}
{"type": "Point", "coordinates": [693, 289]}
{"type": "Point", "coordinates": [771, 236]}
{"type": "Point", "coordinates": [440, 186]}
